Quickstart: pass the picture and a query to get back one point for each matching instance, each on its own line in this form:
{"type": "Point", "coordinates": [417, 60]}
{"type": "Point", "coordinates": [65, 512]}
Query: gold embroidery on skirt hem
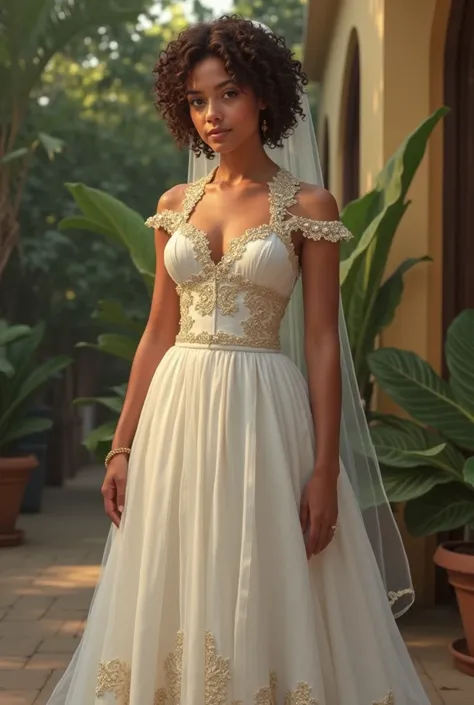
{"type": "Point", "coordinates": [115, 677]}
{"type": "Point", "coordinates": [301, 695]}
{"type": "Point", "coordinates": [389, 699]}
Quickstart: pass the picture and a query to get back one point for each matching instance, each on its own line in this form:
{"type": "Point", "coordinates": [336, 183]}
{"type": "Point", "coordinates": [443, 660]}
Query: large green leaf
{"type": "Point", "coordinates": [405, 484]}
{"type": "Point", "coordinates": [21, 354]}
{"type": "Point", "coordinates": [6, 368]}
{"type": "Point", "coordinates": [24, 427]}
{"type": "Point", "coordinates": [14, 155]}
{"type": "Point", "coordinates": [356, 272]}
{"type": "Point", "coordinates": [101, 434]}
{"type": "Point", "coordinates": [120, 389]}
{"type": "Point", "coordinates": [397, 175]}
{"type": "Point", "coordinates": [23, 349]}
{"type": "Point", "coordinates": [389, 295]}
{"type": "Point", "coordinates": [126, 224]}
{"type": "Point", "coordinates": [413, 384]}
{"type": "Point", "coordinates": [460, 358]}
{"type": "Point", "coordinates": [401, 450]}
{"type": "Point", "coordinates": [390, 215]}
{"type": "Point", "coordinates": [80, 222]}
{"type": "Point", "coordinates": [469, 471]}
{"type": "Point", "coordinates": [112, 312]}
{"type": "Point", "coordinates": [51, 145]}
{"type": "Point", "coordinates": [118, 345]}
{"type": "Point", "coordinates": [356, 216]}
{"type": "Point", "coordinates": [444, 508]}
{"type": "Point", "coordinates": [35, 380]}
{"type": "Point", "coordinates": [363, 270]}
{"type": "Point", "coordinates": [8, 333]}
{"type": "Point", "coordinates": [450, 460]}
{"type": "Point", "coordinates": [112, 403]}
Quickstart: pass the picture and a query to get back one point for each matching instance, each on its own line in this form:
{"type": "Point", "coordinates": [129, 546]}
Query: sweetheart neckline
{"type": "Point", "coordinates": [237, 245]}
{"type": "Point", "coordinates": [233, 242]}
{"type": "Point", "coordinates": [222, 260]}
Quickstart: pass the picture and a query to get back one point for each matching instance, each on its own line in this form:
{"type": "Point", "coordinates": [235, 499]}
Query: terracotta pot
{"type": "Point", "coordinates": [14, 475]}
{"type": "Point", "coordinates": [457, 558]}
{"type": "Point", "coordinates": [462, 660]}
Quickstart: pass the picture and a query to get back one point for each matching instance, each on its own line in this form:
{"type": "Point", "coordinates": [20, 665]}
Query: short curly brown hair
{"type": "Point", "coordinates": [252, 57]}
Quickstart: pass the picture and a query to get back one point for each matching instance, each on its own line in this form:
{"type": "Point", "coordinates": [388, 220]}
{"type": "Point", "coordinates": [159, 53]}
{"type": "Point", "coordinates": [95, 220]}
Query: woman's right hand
{"type": "Point", "coordinates": [113, 487]}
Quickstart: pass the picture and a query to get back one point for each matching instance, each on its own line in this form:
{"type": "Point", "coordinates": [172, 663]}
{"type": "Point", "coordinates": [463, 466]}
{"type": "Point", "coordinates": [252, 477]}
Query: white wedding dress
{"type": "Point", "coordinates": [207, 597]}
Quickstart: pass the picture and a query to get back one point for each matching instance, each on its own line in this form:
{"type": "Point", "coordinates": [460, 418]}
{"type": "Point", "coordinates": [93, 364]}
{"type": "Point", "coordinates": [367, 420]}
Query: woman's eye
{"type": "Point", "coordinates": [230, 93]}
{"type": "Point", "coordinates": [196, 102]}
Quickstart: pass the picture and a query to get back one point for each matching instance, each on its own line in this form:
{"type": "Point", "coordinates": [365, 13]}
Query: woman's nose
{"type": "Point", "coordinates": [213, 113]}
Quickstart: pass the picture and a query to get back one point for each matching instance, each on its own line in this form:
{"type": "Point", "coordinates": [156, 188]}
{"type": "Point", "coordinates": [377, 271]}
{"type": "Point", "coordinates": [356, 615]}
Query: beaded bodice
{"type": "Point", "coordinates": [241, 299]}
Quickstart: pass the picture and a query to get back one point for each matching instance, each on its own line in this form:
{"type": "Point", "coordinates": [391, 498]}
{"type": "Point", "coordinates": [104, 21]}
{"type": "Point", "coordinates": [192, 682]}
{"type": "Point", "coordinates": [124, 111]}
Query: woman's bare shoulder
{"type": "Point", "coordinates": [172, 200]}
{"type": "Point", "coordinates": [316, 203]}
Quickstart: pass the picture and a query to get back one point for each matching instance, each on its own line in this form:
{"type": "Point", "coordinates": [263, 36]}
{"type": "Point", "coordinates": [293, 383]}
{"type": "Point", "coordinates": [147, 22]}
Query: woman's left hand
{"type": "Point", "coordinates": [319, 510]}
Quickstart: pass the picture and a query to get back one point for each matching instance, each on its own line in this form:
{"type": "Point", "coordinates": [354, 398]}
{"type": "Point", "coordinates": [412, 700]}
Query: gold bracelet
{"type": "Point", "coordinates": [115, 451]}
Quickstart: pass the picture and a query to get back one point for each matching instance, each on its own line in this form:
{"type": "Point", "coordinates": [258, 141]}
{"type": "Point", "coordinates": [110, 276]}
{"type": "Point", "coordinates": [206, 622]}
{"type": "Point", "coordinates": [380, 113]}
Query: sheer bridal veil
{"type": "Point", "coordinates": [300, 156]}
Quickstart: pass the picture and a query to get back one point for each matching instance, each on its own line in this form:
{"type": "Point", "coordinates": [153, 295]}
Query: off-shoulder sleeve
{"type": "Point", "coordinates": [332, 230]}
{"type": "Point", "coordinates": [167, 220]}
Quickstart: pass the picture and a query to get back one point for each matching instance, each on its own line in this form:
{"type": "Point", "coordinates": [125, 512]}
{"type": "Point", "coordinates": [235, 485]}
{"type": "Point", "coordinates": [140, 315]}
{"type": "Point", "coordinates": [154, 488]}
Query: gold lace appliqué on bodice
{"type": "Point", "coordinates": [218, 290]}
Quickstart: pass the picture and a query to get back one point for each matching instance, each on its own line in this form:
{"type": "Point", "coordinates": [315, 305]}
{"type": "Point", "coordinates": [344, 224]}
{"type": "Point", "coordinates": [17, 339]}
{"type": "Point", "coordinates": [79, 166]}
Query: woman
{"type": "Point", "coordinates": [240, 569]}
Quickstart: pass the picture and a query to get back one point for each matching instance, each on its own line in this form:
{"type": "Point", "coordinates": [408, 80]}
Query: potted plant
{"type": "Point", "coordinates": [428, 461]}
{"type": "Point", "coordinates": [21, 378]}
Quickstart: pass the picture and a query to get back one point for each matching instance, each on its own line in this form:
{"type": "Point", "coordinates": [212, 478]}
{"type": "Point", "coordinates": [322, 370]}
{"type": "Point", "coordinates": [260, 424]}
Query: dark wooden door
{"type": "Point", "coordinates": [458, 245]}
{"type": "Point", "coordinates": [458, 219]}
{"type": "Point", "coordinates": [350, 186]}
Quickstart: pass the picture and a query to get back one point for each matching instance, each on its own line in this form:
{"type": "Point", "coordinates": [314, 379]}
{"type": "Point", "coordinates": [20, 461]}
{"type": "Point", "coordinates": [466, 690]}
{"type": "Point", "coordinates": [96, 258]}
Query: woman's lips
{"type": "Point", "coordinates": [219, 136]}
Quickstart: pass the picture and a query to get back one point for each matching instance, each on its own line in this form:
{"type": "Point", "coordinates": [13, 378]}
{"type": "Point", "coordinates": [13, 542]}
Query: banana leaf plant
{"type": "Point", "coordinates": [31, 33]}
{"type": "Point", "coordinates": [21, 378]}
{"type": "Point", "coordinates": [8, 334]}
{"type": "Point", "coordinates": [370, 298]}
{"type": "Point", "coordinates": [98, 441]}
{"type": "Point", "coordinates": [427, 460]}
{"type": "Point", "coordinates": [121, 344]}
{"type": "Point", "coordinates": [107, 216]}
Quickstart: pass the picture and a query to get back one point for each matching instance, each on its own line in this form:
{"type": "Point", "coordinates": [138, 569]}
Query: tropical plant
{"type": "Point", "coordinates": [427, 461]}
{"type": "Point", "coordinates": [369, 298]}
{"type": "Point", "coordinates": [103, 214]}
{"type": "Point", "coordinates": [31, 33]}
{"type": "Point", "coordinates": [8, 334]}
{"type": "Point", "coordinates": [21, 378]}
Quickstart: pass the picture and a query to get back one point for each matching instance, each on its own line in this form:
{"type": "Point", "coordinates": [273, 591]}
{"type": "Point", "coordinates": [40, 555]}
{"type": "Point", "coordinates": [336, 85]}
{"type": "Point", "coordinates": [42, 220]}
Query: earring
{"type": "Point", "coordinates": [264, 126]}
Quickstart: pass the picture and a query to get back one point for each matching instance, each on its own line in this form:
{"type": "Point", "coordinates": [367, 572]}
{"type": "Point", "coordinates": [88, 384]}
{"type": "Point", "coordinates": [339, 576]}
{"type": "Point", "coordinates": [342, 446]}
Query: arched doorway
{"type": "Point", "coordinates": [351, 127]}
{"type": "Point", "coordinates": [458, 225]}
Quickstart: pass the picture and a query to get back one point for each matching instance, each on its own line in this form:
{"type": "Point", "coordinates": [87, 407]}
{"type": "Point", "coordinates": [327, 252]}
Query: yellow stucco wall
{"type": "Point", "coordinates": [407, 101]}
{"type": "Point", "coordinates": [368, 26]}
{"type": "Point", "coordinates": [401, 45]}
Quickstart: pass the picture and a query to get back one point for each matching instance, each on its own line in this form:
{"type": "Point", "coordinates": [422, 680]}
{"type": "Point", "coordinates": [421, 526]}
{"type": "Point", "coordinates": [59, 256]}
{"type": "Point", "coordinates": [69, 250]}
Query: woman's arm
{"type": "Point", "coordinates": [320, 272]}
{"type": "Point", "coordinates": [159, 335]}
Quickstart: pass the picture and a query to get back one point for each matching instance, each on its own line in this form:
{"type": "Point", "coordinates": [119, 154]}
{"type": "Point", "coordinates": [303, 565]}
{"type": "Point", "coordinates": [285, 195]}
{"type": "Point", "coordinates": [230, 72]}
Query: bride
{"type": "Point", "coordinates": [253, 557]}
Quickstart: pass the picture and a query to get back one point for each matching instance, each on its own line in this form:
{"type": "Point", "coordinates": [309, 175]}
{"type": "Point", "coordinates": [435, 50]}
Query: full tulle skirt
{"type": "Point", "coordinates": [206, 596]}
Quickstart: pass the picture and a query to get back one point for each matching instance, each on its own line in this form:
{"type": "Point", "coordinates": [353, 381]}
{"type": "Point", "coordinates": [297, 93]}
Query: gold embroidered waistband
{"type": "Point", "coordinates": [231, 348]}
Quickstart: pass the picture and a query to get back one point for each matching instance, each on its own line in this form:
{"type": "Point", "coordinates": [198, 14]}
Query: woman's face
{"type": "Point", "coordinates": [225, 114]}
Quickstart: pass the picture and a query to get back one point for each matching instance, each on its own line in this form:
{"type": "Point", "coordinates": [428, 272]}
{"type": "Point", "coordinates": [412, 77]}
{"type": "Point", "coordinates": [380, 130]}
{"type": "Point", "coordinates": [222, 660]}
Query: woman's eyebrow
{"type": "Point", "coordinates": [219, 85]}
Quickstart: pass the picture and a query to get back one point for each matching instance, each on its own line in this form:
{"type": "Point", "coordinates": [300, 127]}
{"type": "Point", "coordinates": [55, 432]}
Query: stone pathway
{"type": "Point", "coordinates": [47, 584]}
